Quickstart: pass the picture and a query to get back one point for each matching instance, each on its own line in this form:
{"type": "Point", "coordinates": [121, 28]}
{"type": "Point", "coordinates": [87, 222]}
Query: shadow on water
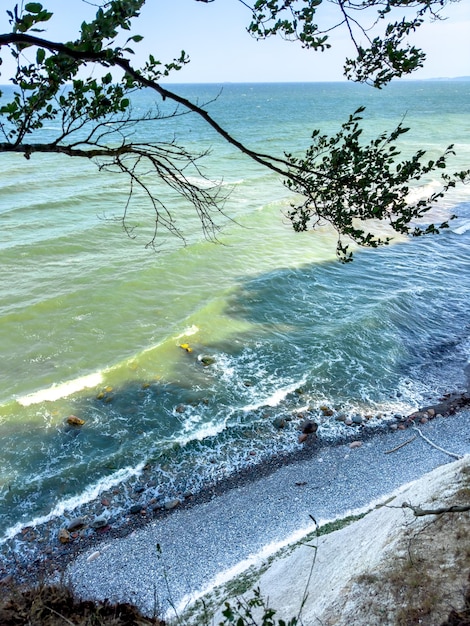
{"type": "Point", "coordinates": [368, 332]}
{"type": "Point", "coordinates": [388, 312]}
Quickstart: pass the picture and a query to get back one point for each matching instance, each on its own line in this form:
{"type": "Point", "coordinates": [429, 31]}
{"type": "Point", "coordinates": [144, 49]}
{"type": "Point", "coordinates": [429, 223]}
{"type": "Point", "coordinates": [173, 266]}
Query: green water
{"type": "Point", "coordinates": [92, 321]}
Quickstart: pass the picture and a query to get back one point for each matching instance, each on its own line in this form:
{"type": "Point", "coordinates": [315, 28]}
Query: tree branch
{"type": "Point", "coordinates": [108, 58]}
{"type": "Point", "coordinates": [419, 512]}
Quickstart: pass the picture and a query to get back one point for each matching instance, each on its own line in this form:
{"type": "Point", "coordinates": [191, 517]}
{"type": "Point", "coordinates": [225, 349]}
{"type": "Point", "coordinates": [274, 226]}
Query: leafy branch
{"type": "Point", "coordinates": [340, 179]}
{"type": "Point", "coordinates": [385, 57]}
{"type": "Point", "coordinates": [355, 182]}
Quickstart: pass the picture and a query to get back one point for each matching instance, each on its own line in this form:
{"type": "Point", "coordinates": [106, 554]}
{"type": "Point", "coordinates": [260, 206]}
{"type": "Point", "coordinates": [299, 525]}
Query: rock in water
{"type": "Point", "coordinates": [207, 360]}
{"type": "Point", "coordinates": [279, 422]}
{"type": "Point", "coordinates": [73, 420]}
{"type": "Point", "coordinates": [309, 427]}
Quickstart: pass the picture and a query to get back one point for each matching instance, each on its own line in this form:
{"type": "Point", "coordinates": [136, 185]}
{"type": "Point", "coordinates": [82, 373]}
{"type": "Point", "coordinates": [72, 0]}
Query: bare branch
{"type": "Point", "coordinates": [419, 512]}
{"type": "Point", "coordinates": [278, 165]}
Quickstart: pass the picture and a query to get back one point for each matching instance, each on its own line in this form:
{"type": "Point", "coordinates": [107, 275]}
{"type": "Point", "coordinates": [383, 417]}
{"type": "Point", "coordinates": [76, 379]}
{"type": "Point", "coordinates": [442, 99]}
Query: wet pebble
{"type": "Point", "coordinates": [172, 504]}
{"type": "Point", "coordinates": [99, 522]}
{"type": "Point", "coordinates": [6, 580]}
{"type": "Point", "coordinates": [76, 524]}
{"type": "Point", "coordinates": [63, 535]}
{"type": "Point", "coordinates": [308, 427]}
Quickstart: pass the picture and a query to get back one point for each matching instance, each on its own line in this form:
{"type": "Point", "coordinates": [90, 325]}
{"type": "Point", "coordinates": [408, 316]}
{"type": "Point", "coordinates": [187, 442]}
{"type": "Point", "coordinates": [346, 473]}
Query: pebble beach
{"type": "Point", "coordinates": [162, 559]}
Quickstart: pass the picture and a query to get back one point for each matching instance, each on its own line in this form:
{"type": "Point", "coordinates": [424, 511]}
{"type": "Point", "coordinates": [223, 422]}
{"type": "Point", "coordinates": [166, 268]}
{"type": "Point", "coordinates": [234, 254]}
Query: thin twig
{"type": "Point", "coordinates": [400, 445]}
{"type": "Point", "coordinates": [49, 608]}
{"type": "Point", "coordinates": [307, 584]}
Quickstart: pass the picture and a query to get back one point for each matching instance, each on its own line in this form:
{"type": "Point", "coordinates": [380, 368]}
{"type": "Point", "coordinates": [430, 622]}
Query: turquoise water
{"type": "Point", "coordinates": [92, 321]}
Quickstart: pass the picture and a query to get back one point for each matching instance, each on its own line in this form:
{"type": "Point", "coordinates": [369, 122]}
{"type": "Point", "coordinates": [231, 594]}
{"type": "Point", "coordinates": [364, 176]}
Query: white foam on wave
{"type": "Point", "coordinates": [461, 229]}
{"type": "Point", "coordinates": [276, 398]}
{"type": "Point", "coordinates": [191, 330]}
{"type": "Point", "coordinates": [90, 493]}
{"type": "Point", "coordinates": [62, 390]}
{"type": "Point", "coordinates": [420, 193]}
{"type": "Point", "coordinates": [210, 429]}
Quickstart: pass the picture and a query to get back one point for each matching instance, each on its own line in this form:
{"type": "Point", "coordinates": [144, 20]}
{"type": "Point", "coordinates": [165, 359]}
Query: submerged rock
{"type": "Point", "coordinates": [207, 360]}
{"type": "Point", "coordinates": [279, 422]}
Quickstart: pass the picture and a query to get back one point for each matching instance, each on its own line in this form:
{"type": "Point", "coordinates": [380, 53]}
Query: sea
{"type": "Point", "coordinates": [197, 357]}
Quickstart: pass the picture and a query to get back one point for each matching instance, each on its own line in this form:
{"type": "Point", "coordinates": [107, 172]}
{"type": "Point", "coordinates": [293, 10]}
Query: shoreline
{"type": "Point", "coordinates": [183, 555]}
{"type": "Point", "coordinates": [53, 558]}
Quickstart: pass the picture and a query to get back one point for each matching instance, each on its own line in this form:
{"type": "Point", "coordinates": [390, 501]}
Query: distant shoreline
{"type": "Point", "coordinates": [309, 82]}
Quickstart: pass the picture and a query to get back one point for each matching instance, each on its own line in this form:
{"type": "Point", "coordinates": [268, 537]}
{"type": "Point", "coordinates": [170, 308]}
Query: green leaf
{"type": "Point", "coordinates": [40, 56]}
{"type": "Point", "coordinates": [33, 7]}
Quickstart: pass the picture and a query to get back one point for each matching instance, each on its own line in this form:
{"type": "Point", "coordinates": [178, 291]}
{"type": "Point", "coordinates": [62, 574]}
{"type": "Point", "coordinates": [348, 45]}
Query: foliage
{"type": "Point", "coordinates": [253, 612]}
{"type": "Point", "coordinates": [387, 56]}
{"type": "Point", "coordinates": [353, 183]}
{"type": "Point", "coordinates": [340, 180]}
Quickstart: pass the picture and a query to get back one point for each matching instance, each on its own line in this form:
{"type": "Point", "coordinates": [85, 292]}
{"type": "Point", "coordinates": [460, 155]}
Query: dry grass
{"type": "Point", "coordinates": [427, 580]}
{"type": "Point", "coordinates": [56, 606]}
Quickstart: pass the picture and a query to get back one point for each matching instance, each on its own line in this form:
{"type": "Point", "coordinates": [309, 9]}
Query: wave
{"type": "Point", "coordinates": [65, 389]}
{"type": "Point", "coordinates": [62, 390]}
{"type": "Point", "coordinates": [191, 330]}
{"type": "Point", "coordinates": [461, 228]}
{"type": "Point", "coordinates": [72, 503]}
{"type": "Point", "coordinates": [276, 398]}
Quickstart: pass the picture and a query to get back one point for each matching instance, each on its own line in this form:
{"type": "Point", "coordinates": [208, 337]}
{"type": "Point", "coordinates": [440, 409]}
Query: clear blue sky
{"type": "Point", "coordinates": [214, 35]}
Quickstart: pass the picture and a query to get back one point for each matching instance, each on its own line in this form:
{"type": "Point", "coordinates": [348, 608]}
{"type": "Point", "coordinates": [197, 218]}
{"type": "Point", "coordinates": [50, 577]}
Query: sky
{"type": "Point", "coordinates": [215, 38]}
